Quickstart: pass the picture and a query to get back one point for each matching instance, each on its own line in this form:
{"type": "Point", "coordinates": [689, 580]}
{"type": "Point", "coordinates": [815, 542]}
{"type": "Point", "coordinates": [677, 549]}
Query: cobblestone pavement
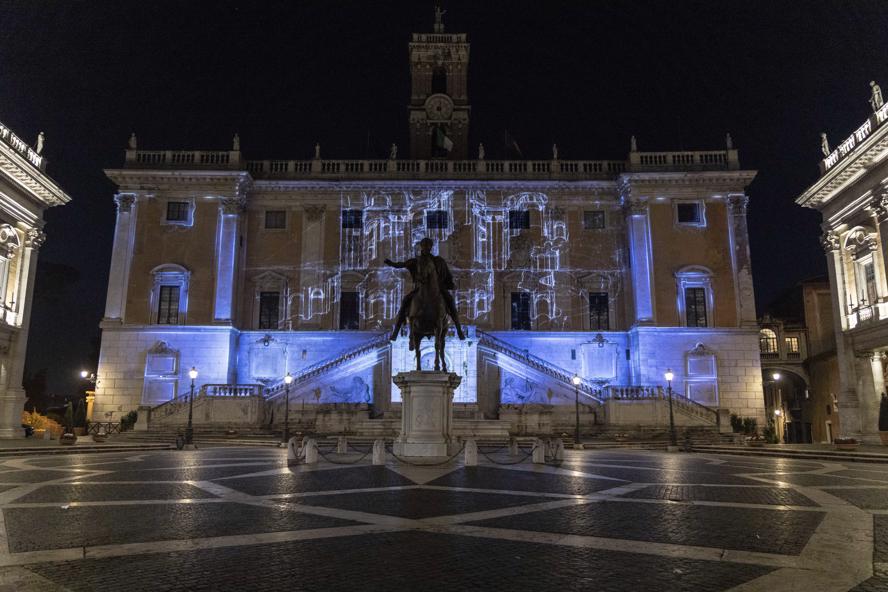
{"type": "Point", "coordinates": [242, 519]}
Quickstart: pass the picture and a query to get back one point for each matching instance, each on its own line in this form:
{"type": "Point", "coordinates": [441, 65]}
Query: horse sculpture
{"type": "Point", "coordinates": [428, 313]}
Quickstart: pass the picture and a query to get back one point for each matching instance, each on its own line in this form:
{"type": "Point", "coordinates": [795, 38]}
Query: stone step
{"type": "Point", "coordinates": [83, 449]}
{"type": "Point", "coordinates": [813, 454]}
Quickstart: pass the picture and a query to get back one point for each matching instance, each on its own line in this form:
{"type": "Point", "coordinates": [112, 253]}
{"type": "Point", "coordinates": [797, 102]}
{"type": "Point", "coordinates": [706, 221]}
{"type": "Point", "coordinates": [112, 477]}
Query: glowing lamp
{"type": "Point", "coordinates": [288, 378]}
{"type": "Point", "coordinates": [669, 376]}
{"type": "Point", "coordinates": [192, 373]}
{"type": "Point", "coordinates": [778, 413]}
{"type": "Point", "coordinates": [776, 376]}
{"type": "Point", "coordinates": [84, 374]}
{"type": "Point", "coordinates": [575, 380]}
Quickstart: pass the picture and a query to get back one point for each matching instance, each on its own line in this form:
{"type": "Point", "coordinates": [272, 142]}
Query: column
{"type": "Point", "coordinates": [121, 257]}
{"type": "Point", "coordinates": [311, 274]}
{"type": "Point", "coordinates": [640, 256]}
{"type": "Point", "coordinates": [849, 410]}
{"type": "Point", "coordinates": [881, 219]}
{"type": "Point", "coordinates": [226, 258]}
{"type": "Point", "coordinates": [12, 394]}
{"type": "Point", "coordinates": [740, 260]}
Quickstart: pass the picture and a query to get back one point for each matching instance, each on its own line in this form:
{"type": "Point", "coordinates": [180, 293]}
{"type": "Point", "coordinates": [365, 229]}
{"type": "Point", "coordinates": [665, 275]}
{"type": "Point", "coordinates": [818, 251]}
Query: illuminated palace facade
{"type": "Point", "coordinates": [613, 271]}
{"type": "Point", "coordinates": [852, 196]}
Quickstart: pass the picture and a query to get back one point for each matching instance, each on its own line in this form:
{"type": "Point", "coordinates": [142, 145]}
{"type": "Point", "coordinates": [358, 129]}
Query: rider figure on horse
{"type": "Point", "coordinates": [445, 283]}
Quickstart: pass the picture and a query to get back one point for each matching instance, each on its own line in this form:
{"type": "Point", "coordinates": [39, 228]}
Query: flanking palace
{"type": "Point", "coordinates": [579, 282]}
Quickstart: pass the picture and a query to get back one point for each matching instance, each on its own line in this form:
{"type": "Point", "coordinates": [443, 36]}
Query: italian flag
{"type": "Point", "coordinates": [442, 141]}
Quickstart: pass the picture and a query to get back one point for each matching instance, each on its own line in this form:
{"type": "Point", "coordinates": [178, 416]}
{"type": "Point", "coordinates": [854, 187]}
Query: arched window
{"type": "Point", "coordinates": [169, 294]}
{"type": "Point", "coordinates": [767, 341]}
{"type": "Point", "coordinates": [439, 80]}
{"type": "Point", "coordinates": [695, 298]}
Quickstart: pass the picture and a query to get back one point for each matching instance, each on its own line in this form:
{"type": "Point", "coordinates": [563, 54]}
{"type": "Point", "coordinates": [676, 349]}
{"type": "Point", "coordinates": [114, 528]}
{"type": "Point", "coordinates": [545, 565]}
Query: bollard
{"type": "Point", "coordinates": [559, 449]}
{"type": "Point", "coordinates": [311, 452]}
{"type": "Point", "coordinates": [379, 452]}
{"type": "Point", "coordinates": [513, 447]}
{"type": "Point", "coordinates": [471, 457]}
{"type": "Point", "coordinates": [539, 452]}
{"type": "Point", "coordinates": [341, 445]}
{"type": "Point", "coordinates": [294, 452]}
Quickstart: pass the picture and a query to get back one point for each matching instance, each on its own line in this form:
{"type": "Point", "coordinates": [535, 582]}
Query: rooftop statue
{"type": "Point", "coordinates": [132, 143]}
{"type": "Point", "coordinates": [235, 143]}
{"type": "Point", "coordinates": [554, 151]}
{"type": "Point", "coordinates": [824, 144]}
{"type": "Point", "coordinates": [393, 153]}
{"type": "Point", "coordinates": [41, 139]}
{"type": "Point", "coordinates": [317, 151]}
{"type": "Point", "coordinates": [481, 151]}
{"type": "Point", "coordinates": [429, 304]}
{"type": "Point", "coordinates": [729, 142]}
{"type": "Point", "coordinates": [439, 19]}
{"type": "Point", "coordinates": [633, 145]}
{"type": "Point", "coordinates": [876, 98]}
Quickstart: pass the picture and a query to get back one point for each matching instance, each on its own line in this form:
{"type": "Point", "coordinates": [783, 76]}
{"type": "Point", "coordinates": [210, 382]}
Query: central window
{"type": "Point", "coordinates": [599, 317]}
{"type": "Point", "coordinates": [520, 311]}
{"type": "Point", "coordinates": [352, 219]}
{"type": "Point", "coordinates": [168, 305]}
{"type": "Point", "coordinates": [519, 219]}
{"type": "Point", "coordinates": [349, 311]}
{"type": "Point", "coordinates": [695, 307]}
{"type": "Point", "coordinates": [269, 309]}
{"type": "Point", "coordinates": [437, 219]}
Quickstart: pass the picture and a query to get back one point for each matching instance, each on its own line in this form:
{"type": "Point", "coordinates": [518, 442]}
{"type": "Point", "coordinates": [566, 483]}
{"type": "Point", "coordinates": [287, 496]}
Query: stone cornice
{"type": "Point", "coordinates": [517, 185]}
{"type": "Point", "coordinates": [234, 183]}
{"type": "Point", "coordinates": [723, 179]}
{"type": "Point", "coordinates": [33, 181]}
{"type": "Point", "coordinates": [847, 171]}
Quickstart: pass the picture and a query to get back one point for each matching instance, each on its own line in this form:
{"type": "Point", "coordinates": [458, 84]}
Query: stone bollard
{"type": "Point", "coordinates": [311, 452]}
{"type": "Point", "coordinates": [513, 447]}
{"type": "Point", "coordinates": [471, 450]}
{"type": "Point", "coordinates": [294, 451]}
{"type": "Point", "coordinates": [379, 452]}
{"type": "Point", "coordinates": [559, 449]}
{"type": "Point", "coordinates": [539, 452]}
{"type": "Point", "coordinates": [341, 445]}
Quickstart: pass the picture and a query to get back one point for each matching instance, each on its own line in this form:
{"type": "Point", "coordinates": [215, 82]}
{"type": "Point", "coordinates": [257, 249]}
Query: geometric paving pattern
{"type": "Point", "coordinates": [242, 519]}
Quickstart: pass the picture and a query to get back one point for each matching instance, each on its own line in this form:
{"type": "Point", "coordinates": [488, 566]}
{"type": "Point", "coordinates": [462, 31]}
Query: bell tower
{"type": "Point", "coordinates": [439, 105]}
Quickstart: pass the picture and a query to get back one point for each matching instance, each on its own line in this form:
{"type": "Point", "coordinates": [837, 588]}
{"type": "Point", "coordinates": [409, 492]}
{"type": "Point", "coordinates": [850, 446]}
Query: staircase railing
{"type": "Point", "coordinates": [318, 368]}
{"type": "Point", "coordinates": [232, 390]}
{"type": "Point", "coordinates": [638, 393]}
{"type": "Point", "coordinates": [589, 389]}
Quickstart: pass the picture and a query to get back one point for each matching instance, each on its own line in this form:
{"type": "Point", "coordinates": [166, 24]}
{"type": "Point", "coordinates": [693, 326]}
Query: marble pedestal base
{"type": "Point", "coordinates": [426, 413]}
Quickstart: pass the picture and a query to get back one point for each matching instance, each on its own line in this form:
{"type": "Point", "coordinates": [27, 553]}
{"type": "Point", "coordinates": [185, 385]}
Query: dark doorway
{"type": "Point", "coordinates": [520, 311]}
{"type": "Point", "coordinates": [350, 311]}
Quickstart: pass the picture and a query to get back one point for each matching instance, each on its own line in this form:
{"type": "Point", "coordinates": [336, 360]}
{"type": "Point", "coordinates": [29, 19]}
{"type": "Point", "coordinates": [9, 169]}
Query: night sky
{"type": "Point", "coordinates": [285, 75]}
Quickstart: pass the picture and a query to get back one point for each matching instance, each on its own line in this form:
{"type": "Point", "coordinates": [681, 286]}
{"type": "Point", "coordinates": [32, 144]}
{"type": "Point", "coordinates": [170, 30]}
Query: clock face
{"type": "Point", "coordinates": [439, 107]}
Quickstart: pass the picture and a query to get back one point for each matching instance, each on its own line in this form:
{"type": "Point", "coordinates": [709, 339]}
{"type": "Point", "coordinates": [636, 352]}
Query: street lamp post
{"type": "Point", "coordinates": [576, 382]}
{"type": "Point", "coordinates": [287, 380]}
{"type": "Point", "coordinates": [673, 440]}
{"type": "Point", "coordinates": [189, 429]}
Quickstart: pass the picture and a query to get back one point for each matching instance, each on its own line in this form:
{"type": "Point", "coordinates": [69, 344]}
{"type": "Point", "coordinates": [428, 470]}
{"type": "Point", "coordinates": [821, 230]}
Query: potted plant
{"type": "Point", "coordinates": [883, 419]}
{"type": "Point", "coordinates": [846, 443]}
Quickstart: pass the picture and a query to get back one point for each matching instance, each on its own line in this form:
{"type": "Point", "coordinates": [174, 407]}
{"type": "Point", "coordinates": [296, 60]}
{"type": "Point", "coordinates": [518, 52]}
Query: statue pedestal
{"type": "Point", "coordinates": [426, 413]}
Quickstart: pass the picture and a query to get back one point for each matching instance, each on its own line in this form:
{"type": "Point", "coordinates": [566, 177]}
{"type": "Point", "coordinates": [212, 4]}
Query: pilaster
{"type": "Point", "coordinates": [12, 396]}
{"type": "Point", "coordinates": [849, 408]}
{"type": "Point", "coordinates": [121, 257]}
{"type": "Point", "coordinates": [226, 259]}
{"type": "Point", "coordinates": [638, 223]}
{"type": "Point", "coordinates": [740, 260]}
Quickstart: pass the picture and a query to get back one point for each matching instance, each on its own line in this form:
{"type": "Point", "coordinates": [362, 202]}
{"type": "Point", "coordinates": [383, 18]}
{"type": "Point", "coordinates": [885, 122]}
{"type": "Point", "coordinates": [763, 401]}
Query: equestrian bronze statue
{"type": "Point", "coordinates": [429, 304]}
